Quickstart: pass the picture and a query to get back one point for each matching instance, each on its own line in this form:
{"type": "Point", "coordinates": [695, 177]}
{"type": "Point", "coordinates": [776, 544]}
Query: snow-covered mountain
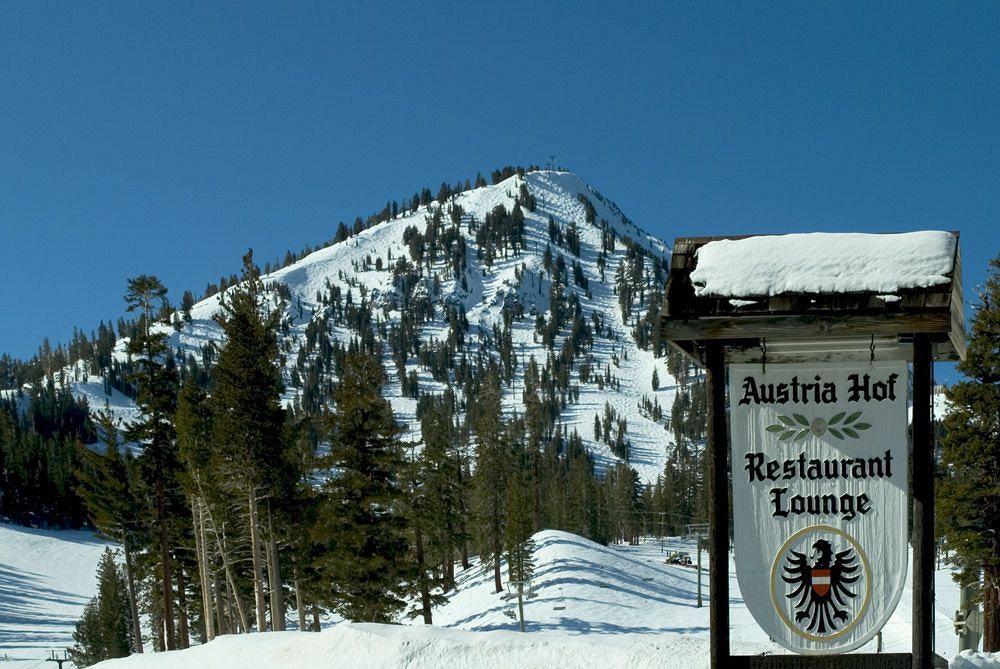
{"type": "Point", "coordinates": [572, 236]}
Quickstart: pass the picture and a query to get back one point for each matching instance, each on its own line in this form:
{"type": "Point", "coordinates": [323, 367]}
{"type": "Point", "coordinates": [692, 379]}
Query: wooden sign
{"type": "Point", "coordinates": [819, 470]}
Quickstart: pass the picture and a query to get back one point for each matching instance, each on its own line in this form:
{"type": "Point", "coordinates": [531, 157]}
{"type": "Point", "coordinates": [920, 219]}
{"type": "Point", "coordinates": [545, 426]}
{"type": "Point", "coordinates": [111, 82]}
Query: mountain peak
{"type": "Point", "coordinates": [537, 271]}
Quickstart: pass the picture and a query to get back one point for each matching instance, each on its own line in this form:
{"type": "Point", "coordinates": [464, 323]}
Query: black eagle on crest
{"type": "Point", "coordinates": [822, 588]}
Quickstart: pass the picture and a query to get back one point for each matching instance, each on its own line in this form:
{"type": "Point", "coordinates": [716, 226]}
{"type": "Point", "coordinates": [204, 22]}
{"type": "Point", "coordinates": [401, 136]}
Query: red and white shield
{"type": "Point", "coordinates": [821, 581]}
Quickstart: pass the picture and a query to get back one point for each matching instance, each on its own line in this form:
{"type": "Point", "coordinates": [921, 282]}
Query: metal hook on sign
{"type": "Point", "coordinates": [763, 355]}
{"type": "Point", "coordinates": [871, 348]}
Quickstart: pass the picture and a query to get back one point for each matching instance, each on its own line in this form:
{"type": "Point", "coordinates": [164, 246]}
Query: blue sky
{"type": "Point", "coordinates": [167, 138]}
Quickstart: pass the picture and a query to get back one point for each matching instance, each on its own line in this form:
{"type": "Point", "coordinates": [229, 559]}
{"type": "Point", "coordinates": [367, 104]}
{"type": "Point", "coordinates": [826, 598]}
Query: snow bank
{"type": "Point", "coordinates": [370, 646]}
{"type": "Point", "coordinates": [821, 262]}
{"type": "Point", "coordinates": [970, 660]}
{"type": "Point", "coordinates": [364, 646]}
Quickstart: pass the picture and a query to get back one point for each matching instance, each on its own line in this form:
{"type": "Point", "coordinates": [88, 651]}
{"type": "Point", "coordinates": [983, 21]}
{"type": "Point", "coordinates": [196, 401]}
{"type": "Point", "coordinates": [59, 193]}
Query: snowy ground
{"type": "Point", "coordinates": [618, 606]}
{"type": "Point", "coordinates": [362, 646]}
{"type": "Point", "coordinates": [46, 578]}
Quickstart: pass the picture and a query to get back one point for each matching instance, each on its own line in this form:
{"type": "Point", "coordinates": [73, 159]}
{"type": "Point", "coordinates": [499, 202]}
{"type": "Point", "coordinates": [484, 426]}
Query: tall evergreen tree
{"type": "Point", "coordinates": [968, 509]}
{"type": "Point", "coordinates": [103, 632]}
{"type": "Point", "coordinates": [194, 431]}
{"type": "Point", "coordinates": [361, 522]}
{"type": "Point", "coordinates": [248, 419]}
{"type": "Point", "coordinates": [489, 482]}
{"type": "Point", "coordinates": [519, 526]}
{"type": "Point", "coordinates": [108, 485]}
{"type": "Point", "coordinates": [436, 503]}
{"type": "Point", "coordinates": [156, 382]}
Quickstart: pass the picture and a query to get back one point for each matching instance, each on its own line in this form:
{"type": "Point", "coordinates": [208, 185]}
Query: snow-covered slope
{"type": "Point", "coordinates": [351, 267]}
{"type": "Point", "coordinates": [46, 578]}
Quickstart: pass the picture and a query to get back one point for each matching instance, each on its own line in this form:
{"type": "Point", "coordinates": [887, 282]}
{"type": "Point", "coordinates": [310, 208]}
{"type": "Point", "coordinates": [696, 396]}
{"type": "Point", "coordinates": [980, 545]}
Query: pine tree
{"type": "Point", "coordinates": [193, 424]}
{"type": "Point", "coordinates": [519, 527]}
{"type": "Point", "coordinates": [156, 399]}
{"type": "Point", "coordinates": [656, 379]}
{"type": "Point", "coordinates": [580, 504]}
{"type": "Point", "coordinates": [103, 632]}
{"type": "Point", "coordinates": [437, 502]}
{"type": "Point", "coordinates": [107, 484]}
{"type": "Point", "coordinates": [361, 524]}
{"type": "Point", "coordinates": [248, 420]}
{"type": "Point", "coordinates": [303, 551]}
{"type": "Point", "coordinates": [968, 509]}
{"type": "Point", "coordinates": [489, 482]}
{"type": "Point", "coordinates": [187, 301]}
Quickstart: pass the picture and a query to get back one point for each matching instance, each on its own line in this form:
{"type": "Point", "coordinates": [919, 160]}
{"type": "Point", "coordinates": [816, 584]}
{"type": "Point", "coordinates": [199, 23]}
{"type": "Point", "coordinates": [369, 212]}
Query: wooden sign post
{"type": "Point", "coordinates": [822, 470]}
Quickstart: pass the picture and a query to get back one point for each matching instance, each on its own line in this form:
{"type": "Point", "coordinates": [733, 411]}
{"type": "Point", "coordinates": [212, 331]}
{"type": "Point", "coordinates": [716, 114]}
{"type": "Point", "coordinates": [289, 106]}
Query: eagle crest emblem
{"type": "Point", "coordinates": [821, 586]}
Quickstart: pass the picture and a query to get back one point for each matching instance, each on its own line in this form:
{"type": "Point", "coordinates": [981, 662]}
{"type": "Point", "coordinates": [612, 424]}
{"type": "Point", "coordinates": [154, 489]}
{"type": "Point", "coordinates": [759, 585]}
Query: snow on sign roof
{"type": "Point", "coordinates": [821, 262]}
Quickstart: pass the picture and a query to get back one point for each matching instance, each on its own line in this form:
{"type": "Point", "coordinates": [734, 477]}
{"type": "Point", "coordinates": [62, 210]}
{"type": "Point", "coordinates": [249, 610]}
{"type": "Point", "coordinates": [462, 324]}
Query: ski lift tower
{"type": "Point", "coordinates": [53, 657]}
{"type": "Point", "coordinates": [700, 530]}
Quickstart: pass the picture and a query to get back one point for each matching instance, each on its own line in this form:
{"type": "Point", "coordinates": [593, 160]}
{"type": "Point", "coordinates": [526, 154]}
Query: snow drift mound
{"type": "Point", "coordinates": [582, 587]}
{"type": "Point", "coordinates": [370, 646]}
{"type": "Point", "coordinates": [970, 660]}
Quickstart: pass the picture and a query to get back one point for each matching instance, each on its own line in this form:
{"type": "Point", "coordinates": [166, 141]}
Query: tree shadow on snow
{"type": "Point", "coordinates": [23, 596]}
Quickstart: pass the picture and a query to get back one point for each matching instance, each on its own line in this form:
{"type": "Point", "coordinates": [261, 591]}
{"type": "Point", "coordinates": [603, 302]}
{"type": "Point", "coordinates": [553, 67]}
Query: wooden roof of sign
{"type": "Point", "coordinates": [799, 325]}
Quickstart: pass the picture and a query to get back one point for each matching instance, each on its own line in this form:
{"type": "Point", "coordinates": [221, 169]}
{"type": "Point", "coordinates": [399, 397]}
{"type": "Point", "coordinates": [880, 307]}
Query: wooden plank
{"type": "Point", "coordinates": [702, 306]}
{"type": "Point", "coordinates": [845, 661]}
{"type": "Point", "coordinates": [923, 507]}
{"type": "Point", "coordinates": [957, 308]}
{"type": "Point", "coordinates": [937, 300]}
{"type": "Point", "coordinates": [786, 327]}
{"type": "Point", "coordinates": [690, 350]}
{"type": "Point", "coordinates": [718, 511]}
{"type": "Point", "coordinates": [753, 355]}
{"type": "Point", "coordinates": [957, 335]}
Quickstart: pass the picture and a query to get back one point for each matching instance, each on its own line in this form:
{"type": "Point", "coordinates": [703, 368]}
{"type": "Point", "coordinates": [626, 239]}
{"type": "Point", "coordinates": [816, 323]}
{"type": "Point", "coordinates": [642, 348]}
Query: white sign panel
{"type": "Point", "coordinates": [819, 466]}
